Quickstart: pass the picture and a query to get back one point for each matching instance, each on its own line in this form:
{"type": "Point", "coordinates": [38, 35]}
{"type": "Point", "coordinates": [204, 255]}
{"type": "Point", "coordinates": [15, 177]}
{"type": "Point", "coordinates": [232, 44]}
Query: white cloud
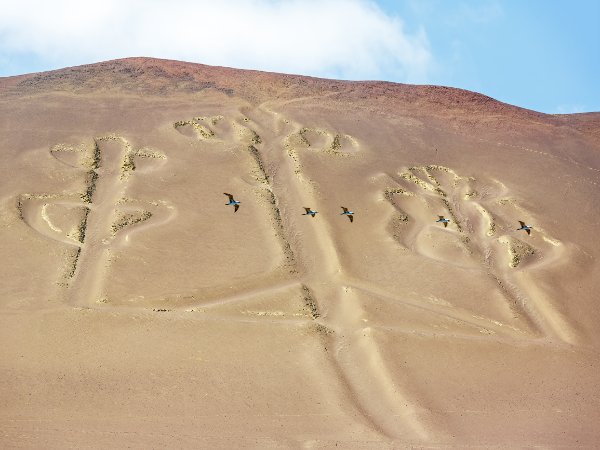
{"type": "Point", "coordinates": [351, 39]}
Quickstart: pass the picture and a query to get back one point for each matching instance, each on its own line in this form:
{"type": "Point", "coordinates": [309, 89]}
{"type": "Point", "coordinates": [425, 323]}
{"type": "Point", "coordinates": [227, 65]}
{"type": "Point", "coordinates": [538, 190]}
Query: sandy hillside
{"type": "Point", "coordinates": [138, 310]}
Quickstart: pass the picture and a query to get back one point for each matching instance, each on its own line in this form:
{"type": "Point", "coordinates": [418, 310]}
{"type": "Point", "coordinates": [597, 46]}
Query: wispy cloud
{"type": "Point", "coordinates": [350, 39]}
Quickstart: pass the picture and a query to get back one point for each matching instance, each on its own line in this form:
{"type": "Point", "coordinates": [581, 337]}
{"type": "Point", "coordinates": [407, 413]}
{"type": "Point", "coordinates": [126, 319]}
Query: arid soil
{"type": "Point", "coordinates": [140, 311]}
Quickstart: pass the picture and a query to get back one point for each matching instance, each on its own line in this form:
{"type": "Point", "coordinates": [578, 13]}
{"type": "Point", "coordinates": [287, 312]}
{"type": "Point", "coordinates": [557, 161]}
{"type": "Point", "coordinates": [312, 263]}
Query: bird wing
{"type": "Point", "coordinates": [445, 224]}
{"type": "Point", "coordinates": [522, 223]}
{"type": "Point", "coordinates": [351, 217]}
{"type": "Point", "coordinates": [441, 217]}
{"type": "Point", "coordinates": [345, 209]}
{"type": "Point", "coordinates": [236, 207]}
{"type": "Point", "coordinates": [229, 195]}
{"type": "Point", "coordinates": [307, 210]}
{"type": "Point", "coordinates": [528, 230]}
{"type": "Point", "coordinates": [313, 214]}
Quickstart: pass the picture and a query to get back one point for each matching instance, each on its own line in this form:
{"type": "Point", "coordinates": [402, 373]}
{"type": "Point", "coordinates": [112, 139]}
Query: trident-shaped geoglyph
{"type": "Point", "coordinates": [92, 220]}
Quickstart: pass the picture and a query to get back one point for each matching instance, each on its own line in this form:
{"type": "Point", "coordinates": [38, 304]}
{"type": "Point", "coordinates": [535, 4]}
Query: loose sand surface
{"type": "Point", "coordinates": [138, 310]}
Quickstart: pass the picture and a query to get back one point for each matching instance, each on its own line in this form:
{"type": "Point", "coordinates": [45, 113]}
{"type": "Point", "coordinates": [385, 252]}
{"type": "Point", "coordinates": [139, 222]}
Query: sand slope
{"type": "Point", "coordinates": [139, 311]}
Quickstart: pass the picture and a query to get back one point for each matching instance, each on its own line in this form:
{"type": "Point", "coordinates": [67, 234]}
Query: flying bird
{"type": "Point", "coordinates": [232, 202]}
{"type": "Point", "coordinates": [309, 212]}
{"type": "Point", "coordinates": [444, 221]}
{"type": "Point", "coordinates": [348, 213]}
{"type": "Point", "coordinates": [525, 227]}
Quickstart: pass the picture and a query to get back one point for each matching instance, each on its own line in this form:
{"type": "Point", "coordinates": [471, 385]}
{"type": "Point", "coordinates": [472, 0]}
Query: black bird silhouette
{"type": "Point", "coordinates": [309, 212]}
{"type": "Point", "coordinates": [525, 227]}
{"type": "Point", "coordinates": [232, 202]}
{"type": "Point", "coordinates": [444, 221]}
{"type": "Point", "coordinates": [348, 213]}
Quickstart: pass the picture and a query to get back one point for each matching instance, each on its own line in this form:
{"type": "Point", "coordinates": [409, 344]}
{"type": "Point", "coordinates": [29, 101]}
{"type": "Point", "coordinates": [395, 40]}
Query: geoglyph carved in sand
{"type": "Point", "coordinates": [329, 302]}
{"type": "Point", "coordinates": [98, 218]}
{"type": "Point", "coordinates": [482, 235]}
{"type": "Point", "coordinates": [318, 296]}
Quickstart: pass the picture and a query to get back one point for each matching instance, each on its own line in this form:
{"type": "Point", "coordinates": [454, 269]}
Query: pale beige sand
{"type": "Point", "coordinates": [138, 311]}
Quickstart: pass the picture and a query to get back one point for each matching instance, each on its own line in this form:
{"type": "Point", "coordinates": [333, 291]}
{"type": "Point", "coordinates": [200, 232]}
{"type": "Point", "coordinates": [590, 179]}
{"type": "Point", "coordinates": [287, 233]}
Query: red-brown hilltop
{"type": "Point", "coordinates": [160, 77]}
{"type": "Point", "coordinates": [152, 74]}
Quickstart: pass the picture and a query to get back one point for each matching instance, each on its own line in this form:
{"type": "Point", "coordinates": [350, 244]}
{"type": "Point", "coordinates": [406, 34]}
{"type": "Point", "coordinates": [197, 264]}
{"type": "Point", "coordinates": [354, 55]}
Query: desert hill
{"type": "Point", "coordinates": [139, 310]}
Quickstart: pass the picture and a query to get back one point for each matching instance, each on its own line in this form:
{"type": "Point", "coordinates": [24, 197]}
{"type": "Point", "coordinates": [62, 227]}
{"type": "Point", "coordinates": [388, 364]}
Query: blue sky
{"type": "Point", "coordinates": [540, 55]}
